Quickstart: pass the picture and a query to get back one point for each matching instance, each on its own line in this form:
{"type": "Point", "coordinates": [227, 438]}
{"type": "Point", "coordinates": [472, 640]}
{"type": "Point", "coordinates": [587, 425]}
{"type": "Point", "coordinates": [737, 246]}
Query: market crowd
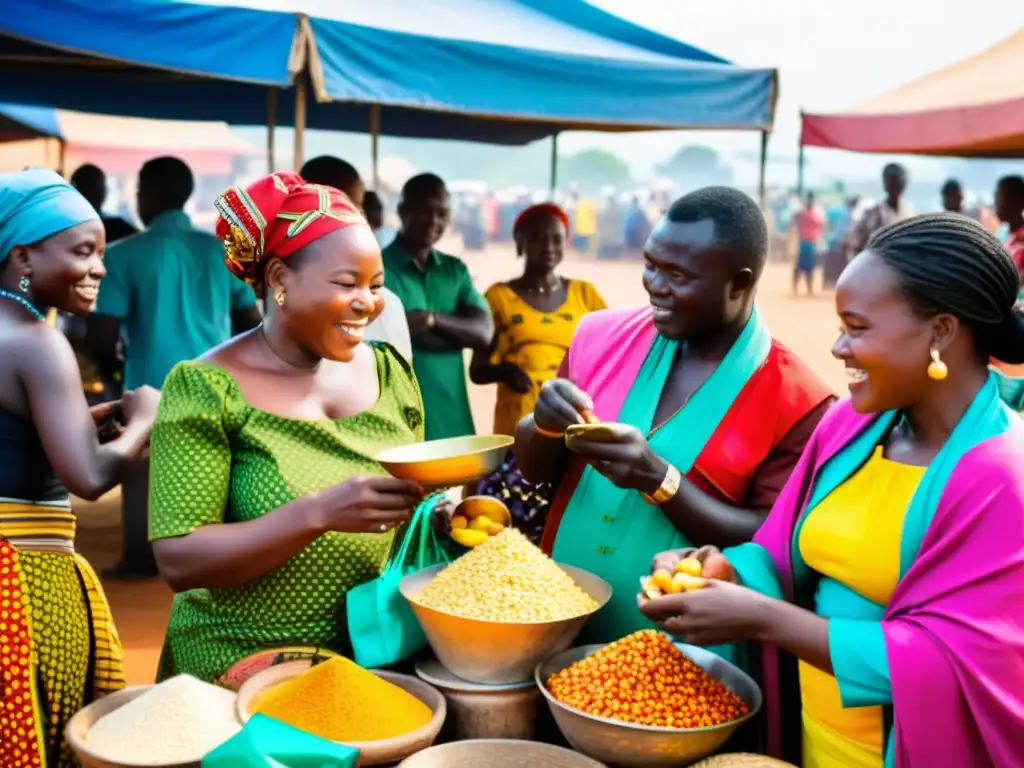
{"type": "Point", "coordinates": [864, 554]}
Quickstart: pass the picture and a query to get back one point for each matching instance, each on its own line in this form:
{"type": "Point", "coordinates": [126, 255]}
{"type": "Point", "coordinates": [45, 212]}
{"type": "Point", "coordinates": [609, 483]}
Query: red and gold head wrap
{"type": "Point", "coordinates": [276, 216]}
{"type": "Point", "coordinates": [549, 208]}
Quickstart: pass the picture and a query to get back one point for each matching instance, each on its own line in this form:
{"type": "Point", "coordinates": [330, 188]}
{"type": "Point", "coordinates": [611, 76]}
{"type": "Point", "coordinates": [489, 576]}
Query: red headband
{"type": "Point", "coordinates": [276, 216]}
{"type": "Point", "coordinates": [533, 210]}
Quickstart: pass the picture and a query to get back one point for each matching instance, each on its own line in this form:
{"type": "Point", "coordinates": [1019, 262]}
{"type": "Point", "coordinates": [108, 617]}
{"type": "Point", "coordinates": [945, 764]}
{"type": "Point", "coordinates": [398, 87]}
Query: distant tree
{"type": "Point", "coordinates": [592, 169]}
{"type": "Point", "coordinates": [695, 166]}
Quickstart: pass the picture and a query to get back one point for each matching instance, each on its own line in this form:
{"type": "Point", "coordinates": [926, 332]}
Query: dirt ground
{"type": "Point", "coordinates": [807, 325]}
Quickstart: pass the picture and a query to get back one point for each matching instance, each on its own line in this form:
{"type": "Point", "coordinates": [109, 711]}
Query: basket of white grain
{"type": "Point", "coordinates": [170, 725]}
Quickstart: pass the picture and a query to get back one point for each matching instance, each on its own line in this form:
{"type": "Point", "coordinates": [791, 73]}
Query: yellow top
{"type": "Point", "coordinates": [585, 219]}
{"type": "Point", "coordinates": [535, 341]}
{"type": "Point", "coordinates": [853, 537]}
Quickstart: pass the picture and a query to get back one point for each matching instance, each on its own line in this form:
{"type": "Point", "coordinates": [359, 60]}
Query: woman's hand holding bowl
{"type": "Point", "coordinates": [368, 504]}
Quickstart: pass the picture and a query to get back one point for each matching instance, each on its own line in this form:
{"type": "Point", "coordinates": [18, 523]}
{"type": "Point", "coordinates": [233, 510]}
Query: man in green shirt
{"type": "Point", "coordinates": [167, 288]}
{"type": "Point", "coordinates": [446, 313]}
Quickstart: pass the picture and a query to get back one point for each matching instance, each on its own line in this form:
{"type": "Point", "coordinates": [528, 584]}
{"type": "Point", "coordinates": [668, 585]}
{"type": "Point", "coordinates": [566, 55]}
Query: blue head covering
{"type": "Point", "coordinates": [35, 204]}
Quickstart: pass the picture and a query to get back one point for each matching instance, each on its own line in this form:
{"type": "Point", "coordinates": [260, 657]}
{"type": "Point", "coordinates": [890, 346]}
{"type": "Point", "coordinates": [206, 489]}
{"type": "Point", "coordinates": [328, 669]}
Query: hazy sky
{"type": "Point", "coordinates": [830, 54]}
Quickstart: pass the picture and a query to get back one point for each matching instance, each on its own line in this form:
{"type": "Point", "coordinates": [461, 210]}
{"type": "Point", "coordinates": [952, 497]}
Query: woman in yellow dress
{"type": "Point", "coordinates": [535, 316]}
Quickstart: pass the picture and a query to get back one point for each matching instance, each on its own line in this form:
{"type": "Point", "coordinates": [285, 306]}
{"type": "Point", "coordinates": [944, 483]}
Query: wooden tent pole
{"type": "Point", "coordinates": [375, 143]}
{"type": "Point", "coordinates": [553, 176]}
{"type": "Point", "coordinates": [800, 159]}
{"type": "Point", "coordinates": [62, 161]}
{"type": "Point", "coordinates": [300, 121]}
{"type": "Point", "coordinates": [271, 125]}
{"type": "Point", "coordinates": [762, 187]}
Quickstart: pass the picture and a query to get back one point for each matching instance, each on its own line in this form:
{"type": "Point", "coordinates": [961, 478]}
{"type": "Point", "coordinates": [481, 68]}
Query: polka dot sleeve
{"type": "Point", "coordinates": [190, 456]}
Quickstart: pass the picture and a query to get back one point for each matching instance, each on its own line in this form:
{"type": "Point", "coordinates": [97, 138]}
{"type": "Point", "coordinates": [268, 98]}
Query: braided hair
{"type": "Point", "coordinates": [949, 263]}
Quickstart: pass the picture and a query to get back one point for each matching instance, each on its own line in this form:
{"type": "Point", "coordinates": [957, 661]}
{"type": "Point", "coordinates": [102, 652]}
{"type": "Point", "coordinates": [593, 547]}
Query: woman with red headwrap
{"type": "Point", "coordinates": [266, 505]}
{"type": "Point", "coordinates": [535, 316]}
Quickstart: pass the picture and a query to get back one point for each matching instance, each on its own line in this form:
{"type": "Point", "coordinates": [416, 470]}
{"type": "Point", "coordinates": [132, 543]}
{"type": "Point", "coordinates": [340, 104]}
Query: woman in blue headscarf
{"type": "Point", "coordinates": [58, 646]}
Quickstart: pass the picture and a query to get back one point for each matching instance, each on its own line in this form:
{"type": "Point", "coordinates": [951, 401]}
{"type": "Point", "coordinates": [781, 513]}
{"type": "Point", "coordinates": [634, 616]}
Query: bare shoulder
{"type": "Point", "coordinates": [38, 349]}
{"type": "Point", "coordinates": [36, 357]}
{"type": "Point", "coordinates": [365, 360]}
{"type": "Point", "coordinates": [234, 353]}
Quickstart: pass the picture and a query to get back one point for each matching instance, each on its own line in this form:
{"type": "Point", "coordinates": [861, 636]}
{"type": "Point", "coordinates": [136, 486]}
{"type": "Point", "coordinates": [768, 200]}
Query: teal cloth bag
{"type": "Point", "coordinates": [268, 743]}
{"type": "Point", "coordinates": [382, 627]}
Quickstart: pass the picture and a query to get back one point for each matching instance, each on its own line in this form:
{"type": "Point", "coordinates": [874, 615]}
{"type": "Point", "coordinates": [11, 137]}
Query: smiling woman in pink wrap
{"type": "Point", "coordinates": [892, 564]}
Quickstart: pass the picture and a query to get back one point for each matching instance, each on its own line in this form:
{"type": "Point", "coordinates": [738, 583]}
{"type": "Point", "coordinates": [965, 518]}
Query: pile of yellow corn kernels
{"type": "Point", "coordinates": [506, 579]}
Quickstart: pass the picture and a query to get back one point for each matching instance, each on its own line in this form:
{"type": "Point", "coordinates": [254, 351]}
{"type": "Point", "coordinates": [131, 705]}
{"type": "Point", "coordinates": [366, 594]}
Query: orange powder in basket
{"type": "Point", "coordinates": [340, 701]}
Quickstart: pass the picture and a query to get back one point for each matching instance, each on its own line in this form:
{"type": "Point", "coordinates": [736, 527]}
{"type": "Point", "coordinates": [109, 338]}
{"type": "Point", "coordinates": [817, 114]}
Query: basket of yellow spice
{"type": "Point", "coordinates": [646, 702]}
{"type": "Point", "coordinates": [495, 612]}
{"type": "Point", "coordinates": [386, 716]}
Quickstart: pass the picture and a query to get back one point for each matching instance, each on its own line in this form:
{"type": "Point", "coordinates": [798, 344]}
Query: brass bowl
{"type": "Point", "coordinates": [474, 506]}
{"type": "Point", "coordinates": [597, 432]}
{"type": "Point", "coordinates": [447, 463]}
{"type": "Point", "coordinates": [381, 752]}
{"type": "Point", "coordinates": [496, 652]}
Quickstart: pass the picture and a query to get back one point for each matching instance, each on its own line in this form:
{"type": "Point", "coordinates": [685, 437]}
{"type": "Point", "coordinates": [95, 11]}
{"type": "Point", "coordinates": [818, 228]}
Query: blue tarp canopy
{"type": "Point", "coordinates": [502, 71]}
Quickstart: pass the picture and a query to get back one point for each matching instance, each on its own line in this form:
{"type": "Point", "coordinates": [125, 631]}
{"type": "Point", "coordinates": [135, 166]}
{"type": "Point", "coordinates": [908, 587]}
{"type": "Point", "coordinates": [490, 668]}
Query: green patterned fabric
{"type": "Point", "coordinates": [216, 459]}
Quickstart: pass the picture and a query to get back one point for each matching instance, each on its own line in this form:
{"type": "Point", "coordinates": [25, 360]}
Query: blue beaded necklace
{"type": "Point", "coordinates": [24, 302]}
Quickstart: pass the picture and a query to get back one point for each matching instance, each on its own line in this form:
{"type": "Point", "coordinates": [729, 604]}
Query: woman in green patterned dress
{"type": "Point", "coordinates": [266, 505]}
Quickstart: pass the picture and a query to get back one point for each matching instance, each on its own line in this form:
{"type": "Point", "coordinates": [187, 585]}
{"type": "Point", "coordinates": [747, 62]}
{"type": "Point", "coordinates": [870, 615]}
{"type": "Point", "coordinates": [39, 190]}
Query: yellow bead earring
{"type": "Point", "coordinates": [937, 370]}
{"type": "Point", "coordinates": [279, 298]}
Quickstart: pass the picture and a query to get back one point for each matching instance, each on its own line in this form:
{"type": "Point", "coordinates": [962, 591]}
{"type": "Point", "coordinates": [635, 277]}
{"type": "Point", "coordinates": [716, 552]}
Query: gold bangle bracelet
{"type": "Point", "coordinates": [667, 490]}
{"type": "Point", "coordinates": [547, 433]}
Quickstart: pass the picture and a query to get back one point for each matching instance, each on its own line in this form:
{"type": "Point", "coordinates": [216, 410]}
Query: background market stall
{"type": "Point", "coordinates": [65, 139]}
{"type": "Point", "coordinates": [500, 71]}
{"type": "Point", "coordinates": [972, 109]}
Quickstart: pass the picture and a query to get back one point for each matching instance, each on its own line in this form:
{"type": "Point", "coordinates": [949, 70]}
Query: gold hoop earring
{"type": "Point", "coordinates": [937, 370]}
{"type": "Point", "coordinates": [279, 298]}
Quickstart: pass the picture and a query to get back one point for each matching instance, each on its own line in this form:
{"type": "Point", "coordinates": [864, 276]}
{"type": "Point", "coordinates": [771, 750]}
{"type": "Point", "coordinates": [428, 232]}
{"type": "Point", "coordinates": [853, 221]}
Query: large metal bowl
{"type": "Point", "coordinates": [497, 651]}
{"type": "Point", "coordinates": [644, 746]}
{"type": "Point", "coordinates": [447, 463]}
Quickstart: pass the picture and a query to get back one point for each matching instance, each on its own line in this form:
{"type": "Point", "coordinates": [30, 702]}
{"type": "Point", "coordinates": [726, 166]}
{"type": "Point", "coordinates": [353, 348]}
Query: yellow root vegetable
{"type": "Point", "coordinates": [493, 529]}
{"type": "Point", "coordinates": [459, 523]}
{"type": "Point", "coordinates": [689, 565]}
{"type": "Point", "coordinates": [494, 514]}
{"type": "Point", "coordinates": [684, 582]}
{"type": "Point", "coordinates": [468, 537]}
{"type": "Point", "coordinates": [479, 524]}
{"type": "Point", "coordinates": [662, 580]}
{"type": "Point", "coordinates": [673, 588]}
{"type": "Point", "coordinates": [650, 591]}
